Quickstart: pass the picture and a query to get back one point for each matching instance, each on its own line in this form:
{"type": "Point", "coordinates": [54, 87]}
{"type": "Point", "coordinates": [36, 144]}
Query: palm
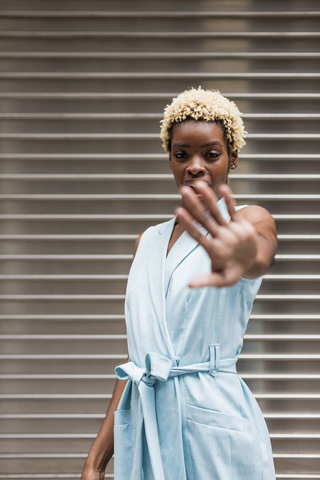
{"type": "Point", "coordinates": [230, 246]}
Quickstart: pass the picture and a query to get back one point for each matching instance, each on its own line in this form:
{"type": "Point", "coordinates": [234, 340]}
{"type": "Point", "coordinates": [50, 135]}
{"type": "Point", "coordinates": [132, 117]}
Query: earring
{"type": "Point", "coordinates": [233, 166]}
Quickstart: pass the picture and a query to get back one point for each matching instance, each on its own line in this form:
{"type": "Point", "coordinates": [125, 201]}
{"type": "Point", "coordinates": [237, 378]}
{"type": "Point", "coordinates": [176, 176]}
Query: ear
{"type": "Point", "coordinates": [233, 160]}
{"type": "Point", "coordinates": [170, 165]}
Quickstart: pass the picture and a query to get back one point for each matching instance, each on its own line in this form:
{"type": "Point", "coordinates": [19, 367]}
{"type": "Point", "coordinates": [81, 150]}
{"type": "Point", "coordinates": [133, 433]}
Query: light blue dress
{"type": "Point", "coordinates": [185, 414]}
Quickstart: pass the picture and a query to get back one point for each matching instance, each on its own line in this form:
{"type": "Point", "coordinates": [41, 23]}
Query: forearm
{"type": "Point", "coordinates": [102, 448]}
{"type": "Point", "coordinates": [264, 257]}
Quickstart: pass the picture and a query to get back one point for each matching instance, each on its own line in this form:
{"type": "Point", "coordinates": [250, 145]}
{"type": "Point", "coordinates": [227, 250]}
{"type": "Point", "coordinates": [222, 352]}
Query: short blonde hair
{"type": "Point", "coordinates": [207, 105]}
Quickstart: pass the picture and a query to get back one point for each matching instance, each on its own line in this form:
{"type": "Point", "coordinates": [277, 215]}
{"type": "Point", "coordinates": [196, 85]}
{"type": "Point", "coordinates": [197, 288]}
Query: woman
{"type": "Point", "coordinates": [185, 413]}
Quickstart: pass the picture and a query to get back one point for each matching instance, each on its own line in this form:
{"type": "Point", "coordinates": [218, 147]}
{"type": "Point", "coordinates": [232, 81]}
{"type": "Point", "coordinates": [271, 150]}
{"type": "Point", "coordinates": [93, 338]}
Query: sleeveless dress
{"type": "Point", "coordinates": [185, 414]}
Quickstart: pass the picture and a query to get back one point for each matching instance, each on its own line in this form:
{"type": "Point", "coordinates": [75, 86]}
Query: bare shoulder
{"type": "Point", "coordinates": [136, 245]}
{"type": "Point", "coordinates": [255, 214]}
{"type": "Point", "coordinates": [262, 221]}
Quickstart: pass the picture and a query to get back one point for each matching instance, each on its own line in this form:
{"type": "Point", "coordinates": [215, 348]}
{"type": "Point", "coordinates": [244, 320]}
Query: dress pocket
{"type": "Point", "coordinates": [213, 418]}
{"type": "Point", "coordinates": [220, 448]}
{"type": "Point", "coordinates": [123, 444]}
{"type": "Point", "coordinates": [209, 441]}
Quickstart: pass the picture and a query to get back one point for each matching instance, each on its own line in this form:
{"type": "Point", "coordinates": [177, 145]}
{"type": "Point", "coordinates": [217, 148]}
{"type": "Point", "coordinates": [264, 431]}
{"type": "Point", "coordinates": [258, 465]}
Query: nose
{"type": "Point", "coordinates": [196, 167]}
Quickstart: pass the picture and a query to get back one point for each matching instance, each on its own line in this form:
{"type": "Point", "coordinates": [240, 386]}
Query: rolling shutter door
{"type": "Point", "coordinates": [83, 87]}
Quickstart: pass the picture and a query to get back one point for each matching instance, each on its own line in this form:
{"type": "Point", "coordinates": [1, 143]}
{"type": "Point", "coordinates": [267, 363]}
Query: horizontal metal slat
{"type": "Point", "coordinates": [289, 237]}
{"type": "Point", "coordinates": [158, 34]}
{"type": "Point", "coordinates": [245, 376]}
{"type": "Point", "coordinates": [61, 298]}
{"type": "Point", "coordinates": [150, 176]}
{"type": "Point", "coordinates": [56, 277]}
{"type": "Point", "coordinates": [143, 136]}
{"type": "Point", "coordinates": [285, 258]}
{"type": "Point", "coordinates": [159, 14]}
{"type": "Point", "coordinates": [96, 156]}
{"type": "Point", "coordinates": [140, 196]}
{"type": "Point", "coordinates": [86, 298]}
{"type": "Point", "coordinates": [94, 217]}
{"type": "Point", "coordinates": [281, 377]}
{"type": "Point", "coordinates": [10, 436]}
{"type": "Point", "coordinates": [55, 396]}
{"type": "Point", "coordinates": [51, 476]}
{"type": "Point", "coordinates": [243, 356]}
{"type": "Point", "coordinates": [152, 96]}
{"type": "Point", "coordinates": [5, 278]}
{"type": "Point", "coordinates": [144, 156]}
{"type": "Point", "coordinates": [288, 277]}
{"type": "Point", "coordinates": [80, 416]}
{"type": "Point", "coordinates": [57, 377]}
{"type": "Point", "coordinates": [87, 237]}
{"type": "Point", "coordinates": [45, 436]}
{"type": "Point", "coordinates": [278, 356]}
{"type": "Point", "coordinates": [145, 116]}
{"type": "Point", "coordinates": [154, 217]}
{"type": "Point", "coordinates": [159, 55]}
{"type": "Point", "coordinates": [115, 257]}
{"type": "Point", "coordinates": [56, 257]}
{"type": "Point", "coordinates": [287, 396]}
{"type": "Point", "coordinates": [64, 337]}
{"type": "Point", "coordinates": [129, 237]}
{"type": "Point", "coordinates": [43, 455]}
{"type": "Point", "coordinates": [62, 357]}
{"type": "Point", "coordinates": [63, 317]}
{"type": "Point", "coordinates": [61, 415]}
{"type": "Point", "coordinates": [161, 75]}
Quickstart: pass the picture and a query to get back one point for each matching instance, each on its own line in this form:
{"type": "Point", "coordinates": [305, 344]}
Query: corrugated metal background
{"type": "Point", "coordinates": [82, 89]}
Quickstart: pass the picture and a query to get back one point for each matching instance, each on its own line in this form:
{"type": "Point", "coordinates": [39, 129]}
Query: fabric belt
{"type": "Point", "coordinates": [159, 368]}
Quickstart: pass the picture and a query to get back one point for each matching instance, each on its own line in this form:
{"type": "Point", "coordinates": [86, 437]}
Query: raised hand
{"type": "Point", "coordinates": [232, 247]}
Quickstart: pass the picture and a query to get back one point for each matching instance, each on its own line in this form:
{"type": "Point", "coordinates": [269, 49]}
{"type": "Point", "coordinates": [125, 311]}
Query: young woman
{"type": "Point", "coordinates": [179, 410]}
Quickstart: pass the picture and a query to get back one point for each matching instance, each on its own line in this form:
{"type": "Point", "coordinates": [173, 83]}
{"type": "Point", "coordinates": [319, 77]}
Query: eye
{"type": "Point", "coordinates": [213, 154]}
{"type": "Point", "coordinates": [180, 155]}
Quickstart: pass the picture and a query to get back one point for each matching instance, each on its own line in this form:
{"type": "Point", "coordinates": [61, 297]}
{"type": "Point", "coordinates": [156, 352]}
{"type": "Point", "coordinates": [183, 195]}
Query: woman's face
{"type": "Point", "coordinates": [199, 151]}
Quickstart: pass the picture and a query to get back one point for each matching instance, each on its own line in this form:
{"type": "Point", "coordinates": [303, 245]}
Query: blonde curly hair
{"type": "Point", "coordinates": [208, 105]}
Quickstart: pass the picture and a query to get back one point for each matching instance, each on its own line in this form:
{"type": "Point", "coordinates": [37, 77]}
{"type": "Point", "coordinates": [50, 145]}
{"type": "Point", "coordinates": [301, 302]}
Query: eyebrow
{"type": "Point", "coordinates": [211, 143]}
{"type": "Point", "coordinates": [186, 145]}
{"type": "Point", "coordinates": [183, 145]}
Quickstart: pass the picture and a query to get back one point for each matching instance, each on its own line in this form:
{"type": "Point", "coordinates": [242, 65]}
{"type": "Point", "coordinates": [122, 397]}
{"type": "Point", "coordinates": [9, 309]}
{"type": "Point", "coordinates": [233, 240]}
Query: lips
{"type": "Point", "coordinates": [191, 183]}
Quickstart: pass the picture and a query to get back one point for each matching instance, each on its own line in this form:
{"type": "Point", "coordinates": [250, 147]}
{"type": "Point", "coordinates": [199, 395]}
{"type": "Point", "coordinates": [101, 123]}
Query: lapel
{"type": "Point", "coordinates": [158, 280]}
{"type": "Point", "coordinates": [185, 245]}
{"type": "Point", "coordinates": [179, 252]}
{"type": "Point", "coordinates": [157, 250]}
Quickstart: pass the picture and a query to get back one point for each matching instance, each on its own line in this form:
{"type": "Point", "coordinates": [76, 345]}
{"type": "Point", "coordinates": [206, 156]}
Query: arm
{"type": "Point", "coordinates": [243, 247]}
{"type": "Point", "coordinates": [102, 448]}
{"type": "Point", "coordinates": [265, 238]}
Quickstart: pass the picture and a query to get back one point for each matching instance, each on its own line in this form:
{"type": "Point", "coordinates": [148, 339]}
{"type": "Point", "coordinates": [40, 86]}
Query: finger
{"type": "Point", "coordinates": [210, 200]}
{"type": "Point", "coordinates": [225, 278]}
{"type": "Point", "coordinates": [195, 208]}
{"type": "Point", "coordinates": [231, 203]}
{"type": "Point", "coordinates": [187, 222]}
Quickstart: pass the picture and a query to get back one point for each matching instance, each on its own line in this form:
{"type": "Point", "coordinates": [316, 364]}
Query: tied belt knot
{"type": "Point", "coordinates": [160, 368]}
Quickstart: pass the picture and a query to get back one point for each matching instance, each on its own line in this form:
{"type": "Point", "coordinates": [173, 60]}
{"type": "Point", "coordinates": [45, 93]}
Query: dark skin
{"type": "Point", "coordinates": [245, 246]}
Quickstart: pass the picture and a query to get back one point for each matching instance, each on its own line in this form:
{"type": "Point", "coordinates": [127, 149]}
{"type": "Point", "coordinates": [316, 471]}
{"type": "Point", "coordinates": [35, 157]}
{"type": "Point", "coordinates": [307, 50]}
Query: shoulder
{"type": "Point", "coordinates": [150, 233]}
{"type": "Point", "coordinates": [254, 214]}
{"type": "Point", "coordinates": [136, 243]}
{"type": "Point", "coordinates": [262, 220]}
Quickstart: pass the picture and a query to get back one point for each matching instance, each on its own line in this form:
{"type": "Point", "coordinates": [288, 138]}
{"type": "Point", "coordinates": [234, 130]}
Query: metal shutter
{"type": "Point", "coordinates": [82, 88]}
